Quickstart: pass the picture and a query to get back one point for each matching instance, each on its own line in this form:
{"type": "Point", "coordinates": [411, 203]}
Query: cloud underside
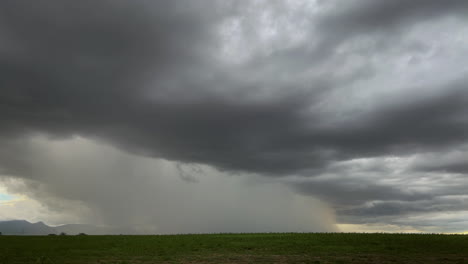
{"type": "Point", "coordinates": [357, 104]}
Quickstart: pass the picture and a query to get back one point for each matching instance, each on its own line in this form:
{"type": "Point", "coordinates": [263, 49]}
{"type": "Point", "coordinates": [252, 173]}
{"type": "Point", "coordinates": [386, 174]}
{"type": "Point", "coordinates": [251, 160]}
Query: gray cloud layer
{"type": "Point", "coordinates": [271, 88]}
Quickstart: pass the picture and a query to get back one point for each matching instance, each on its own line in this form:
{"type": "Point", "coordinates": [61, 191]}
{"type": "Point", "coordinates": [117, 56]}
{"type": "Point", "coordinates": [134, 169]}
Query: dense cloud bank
{"type": "Point", "coordinates": [361, 104]}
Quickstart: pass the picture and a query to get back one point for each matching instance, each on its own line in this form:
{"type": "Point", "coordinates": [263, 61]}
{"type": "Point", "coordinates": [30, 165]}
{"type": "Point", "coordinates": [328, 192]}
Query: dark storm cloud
{"type": "Point", "coordinates": [447, 211]}
{"type": "Point", "coordinates": [72, 69]}
{"type": "Point", "coordinates": [75, 70]}
{"type": "Point", "coordinates": [386, 190]}
{"type": "Point", "coordinates": [455, 167]}
{"type": "Point", "coordinates": [399, 208]}
{"type": "Point", "coordinates": [356, 192]}
{"type": "Point", "coordinates": [367, 15]}
{"type": "Point", "coordinates": [385, 22]}
{"type": "Point", "coordinates": [418, 123]}
{"type": "Point", "coordinates": [149, 78]}
{"type": "Point", "coordinates": [455, 161]}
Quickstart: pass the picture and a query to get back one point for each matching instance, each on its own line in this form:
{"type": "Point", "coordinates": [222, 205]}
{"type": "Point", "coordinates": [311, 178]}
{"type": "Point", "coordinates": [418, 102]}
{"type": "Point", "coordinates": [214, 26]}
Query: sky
{"type": "Point", "coordinates": [235, 116]}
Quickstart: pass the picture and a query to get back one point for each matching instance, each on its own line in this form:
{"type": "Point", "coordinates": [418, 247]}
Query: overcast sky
{"type": "Point", "coordinates": [235, 116]}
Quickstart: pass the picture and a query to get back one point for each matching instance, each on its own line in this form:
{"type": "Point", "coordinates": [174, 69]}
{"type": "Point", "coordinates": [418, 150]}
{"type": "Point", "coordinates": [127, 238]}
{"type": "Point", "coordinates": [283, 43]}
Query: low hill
{"type": "Point", "coordinates": [23, 227]}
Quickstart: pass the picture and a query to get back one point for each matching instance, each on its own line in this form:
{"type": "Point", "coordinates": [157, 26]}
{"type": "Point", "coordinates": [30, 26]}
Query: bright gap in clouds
{"type": "Point", "coordinates": [5, 197]}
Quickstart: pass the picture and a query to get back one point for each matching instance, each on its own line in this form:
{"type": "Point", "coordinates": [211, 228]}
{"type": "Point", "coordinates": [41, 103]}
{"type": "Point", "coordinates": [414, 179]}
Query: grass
{"type": "Point", "coordinates": [236, 248]}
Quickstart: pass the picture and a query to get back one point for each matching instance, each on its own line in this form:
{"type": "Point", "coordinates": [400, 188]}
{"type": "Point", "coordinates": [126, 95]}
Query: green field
{"type": "Point", "coordinates": [236, 248]}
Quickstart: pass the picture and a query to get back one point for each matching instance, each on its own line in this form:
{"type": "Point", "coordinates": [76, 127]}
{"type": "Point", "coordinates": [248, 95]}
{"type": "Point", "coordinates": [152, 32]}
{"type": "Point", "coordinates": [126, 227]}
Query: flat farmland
{"type": "Point", "coordinates": [237, 248]}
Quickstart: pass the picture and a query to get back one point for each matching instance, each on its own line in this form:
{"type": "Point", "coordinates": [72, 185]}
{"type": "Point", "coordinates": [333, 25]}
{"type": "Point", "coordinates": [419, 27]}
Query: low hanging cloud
{"type": "Point", "coordinates": [345, 102]}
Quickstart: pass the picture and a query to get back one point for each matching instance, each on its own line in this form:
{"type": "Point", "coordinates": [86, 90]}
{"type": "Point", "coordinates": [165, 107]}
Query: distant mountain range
{"type": "Point", "coordinates": [23, 227]}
